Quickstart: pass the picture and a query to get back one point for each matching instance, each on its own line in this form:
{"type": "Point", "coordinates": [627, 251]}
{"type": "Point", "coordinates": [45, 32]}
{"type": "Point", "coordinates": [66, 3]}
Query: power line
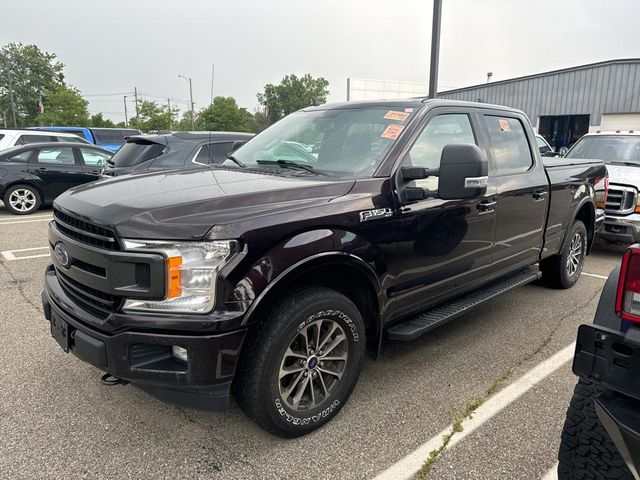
{"type": "Point", "coordinates": [106, 94]}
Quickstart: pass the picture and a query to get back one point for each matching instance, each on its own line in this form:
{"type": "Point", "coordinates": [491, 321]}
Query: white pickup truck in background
{"type": "Point", "coordinates": [620, 151]}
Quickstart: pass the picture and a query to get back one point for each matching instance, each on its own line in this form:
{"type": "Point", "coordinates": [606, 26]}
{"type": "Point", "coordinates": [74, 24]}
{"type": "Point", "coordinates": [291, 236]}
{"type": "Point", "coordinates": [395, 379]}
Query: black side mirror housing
{"type": "Point", "coordinates": [463, 172]}
{"type": "Point", "coordinates": [237, 144]}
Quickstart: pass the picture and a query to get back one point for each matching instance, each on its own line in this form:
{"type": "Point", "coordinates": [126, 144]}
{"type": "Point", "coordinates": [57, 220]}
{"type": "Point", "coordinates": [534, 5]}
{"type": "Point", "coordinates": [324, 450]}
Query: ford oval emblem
{"type": "Point", "coordinates": [61, 254]}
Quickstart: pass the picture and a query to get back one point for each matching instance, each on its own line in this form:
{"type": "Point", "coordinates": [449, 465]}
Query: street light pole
{"type": "Point", "coordinates": [435, 49]}
{"type": "Point", "coordinates": [193, 113]}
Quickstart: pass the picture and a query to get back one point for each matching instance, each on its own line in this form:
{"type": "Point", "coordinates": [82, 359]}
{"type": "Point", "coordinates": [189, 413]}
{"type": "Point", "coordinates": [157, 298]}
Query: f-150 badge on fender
{"type": "Point", "coordinates": [367, 215]}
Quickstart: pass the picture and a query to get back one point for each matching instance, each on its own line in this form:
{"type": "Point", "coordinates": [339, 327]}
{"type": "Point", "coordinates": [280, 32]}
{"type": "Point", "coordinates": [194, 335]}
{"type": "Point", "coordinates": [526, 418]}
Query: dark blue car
{"type": "Point", "coordinates": [110, 138]}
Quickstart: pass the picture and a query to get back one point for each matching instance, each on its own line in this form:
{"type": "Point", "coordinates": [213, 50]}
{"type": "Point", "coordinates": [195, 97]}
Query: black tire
{"type": "Point", "coordinates": [26, 207]}
{"type": "Point", "coordinates": [555, 269]}
{"type": "Point", "coordinates": [259, 384]}
{"type": "Point", "coordinates": [586, 450]}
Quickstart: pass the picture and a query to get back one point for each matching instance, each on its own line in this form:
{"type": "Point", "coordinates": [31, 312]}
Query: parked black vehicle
{"type": "Point", "coordinates": [271, 274]}
{"type": "Point", "coordinates": [35, 174]}
{"type": "Point", "coordinates": [149, 153]}
{"type": "Point", "coordinates": [601, 434]}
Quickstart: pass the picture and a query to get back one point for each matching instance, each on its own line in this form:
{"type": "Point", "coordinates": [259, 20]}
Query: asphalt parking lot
{"type": "Point", "coordinates": [57, 420]}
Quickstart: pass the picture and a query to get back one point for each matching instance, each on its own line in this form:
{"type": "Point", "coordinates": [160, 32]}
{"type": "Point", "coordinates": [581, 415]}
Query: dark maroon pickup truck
{"type": "Point", "coordinates": [270, 275]}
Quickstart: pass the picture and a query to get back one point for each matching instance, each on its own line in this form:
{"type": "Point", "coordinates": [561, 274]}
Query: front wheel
{"type": "Point", "coordinates": [302, 362]}
{"type": "Point", "coordinates": [563, 270]}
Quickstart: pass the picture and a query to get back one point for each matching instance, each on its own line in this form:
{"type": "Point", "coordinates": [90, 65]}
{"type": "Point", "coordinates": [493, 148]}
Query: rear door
{"type": "Point", "coordinates": [522, 189]}
{"type": "Point", "coordinates": [57, 168]}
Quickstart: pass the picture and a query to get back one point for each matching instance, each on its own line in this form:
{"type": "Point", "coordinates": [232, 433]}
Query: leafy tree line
{"type": "Point", "coordinates": [30, 77]}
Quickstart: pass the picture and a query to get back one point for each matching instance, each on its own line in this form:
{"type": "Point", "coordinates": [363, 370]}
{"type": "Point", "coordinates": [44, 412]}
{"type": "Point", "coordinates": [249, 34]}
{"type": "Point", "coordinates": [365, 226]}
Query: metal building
{"type": "Point", "coordinates": [565, 104]}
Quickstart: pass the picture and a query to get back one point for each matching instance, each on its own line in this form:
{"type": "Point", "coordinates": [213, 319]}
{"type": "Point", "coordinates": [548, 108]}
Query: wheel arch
{"type": "Point", "coordinates": [586, 213]}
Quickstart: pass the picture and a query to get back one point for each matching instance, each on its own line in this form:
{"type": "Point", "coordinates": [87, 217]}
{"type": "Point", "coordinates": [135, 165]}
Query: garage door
{"type": "Point", "coordinates": [620, 121]}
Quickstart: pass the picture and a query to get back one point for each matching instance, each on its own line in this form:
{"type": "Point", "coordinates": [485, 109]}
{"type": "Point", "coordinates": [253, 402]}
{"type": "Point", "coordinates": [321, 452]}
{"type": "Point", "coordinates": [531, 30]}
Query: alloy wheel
{"type": "Point", "coordinates": [22, 200]}
{"type": "Point", "coordinates": [575, 254]}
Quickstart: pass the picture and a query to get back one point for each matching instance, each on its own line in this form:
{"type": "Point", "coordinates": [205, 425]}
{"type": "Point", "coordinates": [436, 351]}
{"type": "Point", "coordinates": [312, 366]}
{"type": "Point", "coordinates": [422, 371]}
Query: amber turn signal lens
{"type": "Point", "coordinates": [173, 277]}
{"type": "Point", "coordinates": [637, 209]}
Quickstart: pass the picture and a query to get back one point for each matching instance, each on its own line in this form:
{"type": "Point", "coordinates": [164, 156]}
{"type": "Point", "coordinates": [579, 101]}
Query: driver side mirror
{"type": "Point", "coordinates": [462, 174]}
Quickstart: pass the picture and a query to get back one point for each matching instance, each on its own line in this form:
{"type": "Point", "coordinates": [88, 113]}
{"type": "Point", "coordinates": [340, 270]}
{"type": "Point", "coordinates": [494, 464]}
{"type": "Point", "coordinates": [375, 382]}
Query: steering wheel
{"type": "Point", "coordinates": [295, 149]}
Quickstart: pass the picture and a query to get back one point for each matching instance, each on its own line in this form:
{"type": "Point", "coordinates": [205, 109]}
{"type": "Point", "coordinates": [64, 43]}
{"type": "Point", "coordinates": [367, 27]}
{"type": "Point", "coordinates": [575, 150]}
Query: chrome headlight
{"type": "Point", "coordinates": [191, 272]}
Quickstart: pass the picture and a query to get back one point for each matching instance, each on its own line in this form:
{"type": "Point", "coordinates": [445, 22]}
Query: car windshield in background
{"type": "Point", "coordinates": [134, 153]}
{"type": "Point", "coordinates": [610, 148]}
{"type": "Point", "coordinates": [341, 142]}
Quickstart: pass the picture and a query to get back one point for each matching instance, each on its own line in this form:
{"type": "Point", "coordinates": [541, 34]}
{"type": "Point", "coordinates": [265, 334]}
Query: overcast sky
{"type": "Point", "coordinates": [108, 47]}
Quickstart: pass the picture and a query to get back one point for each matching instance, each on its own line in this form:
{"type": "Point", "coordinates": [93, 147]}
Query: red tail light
{"type": "Point", "coordinates": [628, 297]}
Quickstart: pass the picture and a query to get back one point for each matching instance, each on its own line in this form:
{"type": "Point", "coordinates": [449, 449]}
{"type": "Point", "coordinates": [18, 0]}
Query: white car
{"type": "Point", "coordinates": [12, 138]}
{"type": "Point", "coordinates": [620, 151]}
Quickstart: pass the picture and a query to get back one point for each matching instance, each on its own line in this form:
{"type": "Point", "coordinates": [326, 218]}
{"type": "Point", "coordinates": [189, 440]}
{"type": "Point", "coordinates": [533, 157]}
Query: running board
{"type": "Point", "coordinates": [415, 326]}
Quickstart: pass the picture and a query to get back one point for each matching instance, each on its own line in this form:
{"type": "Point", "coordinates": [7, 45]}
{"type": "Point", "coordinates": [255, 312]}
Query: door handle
{"type": "Point", "coordinates": [486, 206]}
{"type": "Point", "coordinates": [539, 194]}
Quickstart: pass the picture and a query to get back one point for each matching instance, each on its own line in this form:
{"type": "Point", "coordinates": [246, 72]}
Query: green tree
{"type": "Point", "coordinates": [152, 116]}
{"type": "Point", "coordinates": [29, 72]}
{"type": "Point", "coordinates": [291, 94]}
{"type": "Point", "coordinates": [260, 121]}
{"type": "Point", "coordinates": [225, 115]}
{"type": "Point", "coordinates": [98, 121]}
{"type": "Point", "coordinates": [64, 106]}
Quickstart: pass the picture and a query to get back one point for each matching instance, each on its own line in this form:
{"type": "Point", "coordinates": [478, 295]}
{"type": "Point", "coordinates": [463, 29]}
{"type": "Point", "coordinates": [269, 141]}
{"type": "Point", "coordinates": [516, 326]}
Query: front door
{"type": "Point", "coordinates": [57, 168]}
{"type": "Point", "coordinates": [443, 245]}
{"type": "Point", "coordinates": [522, 191]}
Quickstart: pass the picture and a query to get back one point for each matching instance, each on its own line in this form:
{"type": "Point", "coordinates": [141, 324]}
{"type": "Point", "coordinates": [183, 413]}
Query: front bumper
{"type": "Point", "coordinates": [621, 228]}
{"type": "Point", "coordinates": [143, 356]}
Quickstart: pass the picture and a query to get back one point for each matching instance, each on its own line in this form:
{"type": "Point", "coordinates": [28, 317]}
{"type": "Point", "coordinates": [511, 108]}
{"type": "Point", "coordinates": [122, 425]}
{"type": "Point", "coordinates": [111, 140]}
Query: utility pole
{"type": "Point", "coordinates": [11, 99]}
{"type": "Point", "coordinates": [213, 72]}
{"type": "Point", "coordinates": [169, 105]}
{"type": "Point", "coordinates": [193, 113]}
{"type": "Point", "coordinates": [135, 92]}
{"type": "Point", "coordinates": [435, 49]}
{"type": "Point", "coordinates": [126, 116]}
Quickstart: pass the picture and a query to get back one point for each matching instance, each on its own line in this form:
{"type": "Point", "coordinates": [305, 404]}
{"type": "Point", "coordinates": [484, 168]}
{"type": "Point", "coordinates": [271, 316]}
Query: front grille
{"type": "Point", "coordinates": [85, 232]}
{"type": "Point", "coordinates": [620, 200]}
{"type": "Point", "coordinates": [97, 303]}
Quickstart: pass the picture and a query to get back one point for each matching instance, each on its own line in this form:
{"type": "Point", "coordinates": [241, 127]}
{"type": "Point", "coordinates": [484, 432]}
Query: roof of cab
{"type": "Point", "coordinates": [416, 102]}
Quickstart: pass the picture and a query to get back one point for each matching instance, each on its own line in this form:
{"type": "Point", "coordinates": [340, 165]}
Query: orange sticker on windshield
{"type": "Point", "coordinates": [392, 131]}
{"type": "Point", "coordinates": [504, 125]}
{"type": "Point", "coordinates": [393, 115]}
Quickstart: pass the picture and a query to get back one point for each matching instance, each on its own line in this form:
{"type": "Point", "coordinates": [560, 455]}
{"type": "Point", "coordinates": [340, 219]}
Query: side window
{"type": "Point", "coordinates": [442, 130]}
{"type": "Point", "coordinates": [220, 151]}
{"type": "Point", "coordinates": [202, 156]}
{"type": "Point", "coordinates": [94, 157]}
{"type": "Point", "coordinates": [543, 147]}
{"type": "Point", "coordinates": [21, 157]}
{"type": "Point", "coordinates": [55, 156]}
{"type": "Point", "coordinates": [508, 144]}
{"type": "Point", "coordinates": [26, 139]}
{"type": "Point", "coordinates": [74, 139]}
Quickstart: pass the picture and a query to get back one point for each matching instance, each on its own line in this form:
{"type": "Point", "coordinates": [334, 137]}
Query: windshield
{"type": "Point", "coordinates": [610, 148]}
{"type": "Point", "coordinates": [338, 142]}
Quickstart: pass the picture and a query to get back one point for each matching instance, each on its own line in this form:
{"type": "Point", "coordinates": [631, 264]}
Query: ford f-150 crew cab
{"type": "Point", "coordinates": [270, 275]}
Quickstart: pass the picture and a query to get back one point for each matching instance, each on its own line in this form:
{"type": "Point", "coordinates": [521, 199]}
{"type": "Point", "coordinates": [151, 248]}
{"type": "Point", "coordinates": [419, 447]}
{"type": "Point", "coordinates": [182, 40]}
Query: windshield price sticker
{"type": "Point", "coordinates": [392, 131]}
{"type": "Point", "coordinates": [504, 125]}
{"type": "Point", "coordinates": [392, 115]}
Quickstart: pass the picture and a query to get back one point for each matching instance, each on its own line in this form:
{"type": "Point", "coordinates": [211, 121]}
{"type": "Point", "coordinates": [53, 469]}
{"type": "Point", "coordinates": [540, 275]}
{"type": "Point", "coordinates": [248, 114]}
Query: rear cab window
{"type": "Point", "coordinates": [508, 145]}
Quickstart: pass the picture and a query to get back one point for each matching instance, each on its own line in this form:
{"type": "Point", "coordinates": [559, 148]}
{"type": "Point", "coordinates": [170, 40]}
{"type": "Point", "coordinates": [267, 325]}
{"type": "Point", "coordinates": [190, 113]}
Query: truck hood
{"type": "Point", "coordinates": [186, 204]}
{"type": "Point", "coordinates": [622, 175]}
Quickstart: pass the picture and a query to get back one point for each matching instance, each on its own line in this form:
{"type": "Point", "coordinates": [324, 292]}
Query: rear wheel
{"type": "Point", "coordinates": [586, 450]}
{"type": "Point", "coordinates": [563, 270]}
{"type": "Point", "coordinates": [302, 362]}
{"type": "Point", "coordinates": [22, 199]}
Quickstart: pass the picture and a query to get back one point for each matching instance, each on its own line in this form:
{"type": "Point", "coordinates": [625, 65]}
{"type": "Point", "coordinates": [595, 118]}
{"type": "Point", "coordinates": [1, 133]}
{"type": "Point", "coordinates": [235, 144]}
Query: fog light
{"type": "Point", "coordinates": [180, 353]}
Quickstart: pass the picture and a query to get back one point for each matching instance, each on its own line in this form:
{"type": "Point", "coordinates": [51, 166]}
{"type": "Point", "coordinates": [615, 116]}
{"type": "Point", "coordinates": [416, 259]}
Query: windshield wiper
{"type": "Point", "coordinates": [236, 161]}
{"type": "Point", "coordinates": [628, 164]}
{"type": "Point", "coordinates": [289, 164]}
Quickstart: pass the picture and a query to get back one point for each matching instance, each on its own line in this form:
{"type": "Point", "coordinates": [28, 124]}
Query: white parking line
{"type": "Point", "coordinates": [552, 474]}
{"type": "Point", "coordinates": [13, 222]}
{"type": "Point", "coordinates": [10, 255]}
{"type": "Point", "coordinates": [409, 465]}
{"type": "Point", "coordinates": [603, 277]}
